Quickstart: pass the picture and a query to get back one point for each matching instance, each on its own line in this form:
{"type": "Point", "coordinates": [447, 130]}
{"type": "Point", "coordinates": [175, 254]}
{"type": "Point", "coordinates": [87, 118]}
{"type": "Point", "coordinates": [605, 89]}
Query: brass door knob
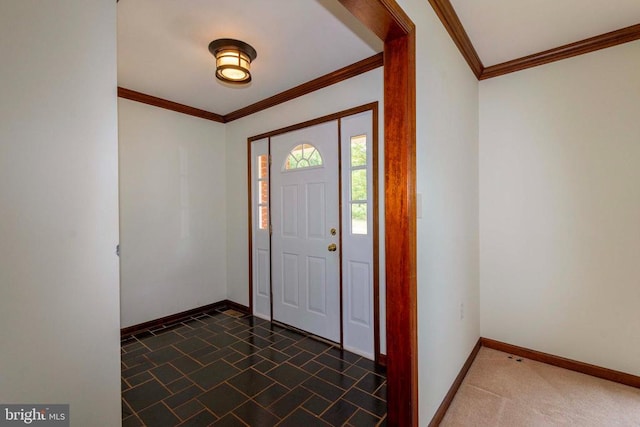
{"type": "Point", "coordinates": [332, 247]}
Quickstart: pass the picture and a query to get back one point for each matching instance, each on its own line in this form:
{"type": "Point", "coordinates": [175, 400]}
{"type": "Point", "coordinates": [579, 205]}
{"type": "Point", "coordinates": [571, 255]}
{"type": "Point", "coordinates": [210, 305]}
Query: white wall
{"type": "Point", "coordinates": [447, 169]}
{"type": "Point", "coordinates": [356, 91]}
{"type": "Point", "coordinates": [560, 208]}
{"type": "Point", "coordinates": [172, 212]}
{"type": "Point", "coordinates": [59, 306]}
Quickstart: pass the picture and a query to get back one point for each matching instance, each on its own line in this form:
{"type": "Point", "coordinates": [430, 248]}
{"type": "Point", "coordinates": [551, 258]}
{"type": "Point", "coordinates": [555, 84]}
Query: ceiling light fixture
{"type": "Point", "coordinates": [233, 60]}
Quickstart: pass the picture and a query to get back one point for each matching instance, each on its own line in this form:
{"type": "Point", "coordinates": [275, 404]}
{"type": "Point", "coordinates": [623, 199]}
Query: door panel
{"type": "Point", "coordinates": [290, 280]}
{"type": "Point", "coordinates": [317, 279]}
{"type": "Point", "coordinates": [305, 207]}
{"type": "Point", "coordinates": [357, 237]}
{"type": "Point", "coordinates": [359, 293]}
{"type": "Point", "coordinates": [316, 226]}
{"type": "Point", "coordinates": [262, 275]}
{"type": "Point", "coordinates": [289, 211]}
{"type": "Point", "coordinates": [260, 240]}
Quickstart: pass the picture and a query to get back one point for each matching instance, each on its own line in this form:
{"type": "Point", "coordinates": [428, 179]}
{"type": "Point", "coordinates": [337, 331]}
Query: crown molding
{"type": "Point", "coordinates": [602, 41]}
{"type": "Point", "coordinates": [337, 76]}
{"type": "Point", "coordinates": [168, 105]}
{"type": "Point", "coordinates": [454, 27]}
{"type": "Point", "coordinates": [452, 24]}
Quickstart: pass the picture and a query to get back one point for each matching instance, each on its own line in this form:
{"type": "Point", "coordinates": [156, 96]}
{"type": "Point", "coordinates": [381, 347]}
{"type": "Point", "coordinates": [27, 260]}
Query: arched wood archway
{"type": "Point", "coordinates": [389, 22]}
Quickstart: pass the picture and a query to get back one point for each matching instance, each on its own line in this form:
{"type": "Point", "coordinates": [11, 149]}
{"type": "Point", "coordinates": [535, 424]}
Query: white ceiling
{"type": "Point", "coordinates": [162, 47]}
{"type": "Point", "coordinates": [162, 44]}
{"type": "Point", "coordinates": [502, 30]}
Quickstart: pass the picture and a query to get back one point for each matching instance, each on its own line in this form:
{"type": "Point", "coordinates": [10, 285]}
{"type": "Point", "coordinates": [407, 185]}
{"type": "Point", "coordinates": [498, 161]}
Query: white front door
{"type": "Point", "coordinates": [306, 235]}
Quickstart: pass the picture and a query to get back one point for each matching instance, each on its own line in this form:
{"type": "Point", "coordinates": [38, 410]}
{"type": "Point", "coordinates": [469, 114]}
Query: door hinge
{"type": "Point", "coordinates": [118, 250]}
{"type": "Point", "coordinates": [270, 229]}
{"type": "Point", "coordinates": [270, 161]}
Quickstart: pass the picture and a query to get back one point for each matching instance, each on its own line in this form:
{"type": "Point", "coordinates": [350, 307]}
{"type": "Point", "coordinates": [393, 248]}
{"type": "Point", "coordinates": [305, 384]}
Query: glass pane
{"type": "Point", "coordinates": [359, 218]}
{"type": "Point", "coordinates": [290, 163]}
{"type": "Point", "coordinates": [359, 184]}
{"type": "Point", "coordinates": [263, 217]}
{"type": "Point", "coordinates": [263, 192]}
{"type": "Point", "coordinates": [303, 156]}
{"type": "Point", "coordinates": [262, 166]}
{"type": "Point", "coordinates": [314, 158]}
{"type": "Point", "coordinates": [358, 150]}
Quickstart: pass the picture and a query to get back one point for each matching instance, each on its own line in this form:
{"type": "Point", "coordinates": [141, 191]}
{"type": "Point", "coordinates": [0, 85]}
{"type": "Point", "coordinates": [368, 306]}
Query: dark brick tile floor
{"type": "Point", "coordinates": [223, 368]}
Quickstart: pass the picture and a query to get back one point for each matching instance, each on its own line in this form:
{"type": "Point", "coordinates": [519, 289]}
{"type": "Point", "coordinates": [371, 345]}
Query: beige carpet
{"type": "Point", "coordinates": [501, 391]}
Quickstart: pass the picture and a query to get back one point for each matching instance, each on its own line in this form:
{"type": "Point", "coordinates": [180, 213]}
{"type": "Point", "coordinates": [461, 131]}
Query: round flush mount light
{"type": "Point", "coordinates": [233, 60]}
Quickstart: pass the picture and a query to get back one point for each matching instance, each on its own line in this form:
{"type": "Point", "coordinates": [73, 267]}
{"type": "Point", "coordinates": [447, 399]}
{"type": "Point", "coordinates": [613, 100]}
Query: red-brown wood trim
{"type": "Point", "coordinates": [339, 136]}
{"type": "Point", "coordinates": [400, 230]}
{"type": "Point", "coordinates": [573, 365]}
{"type": "Point", "coordinates": [376, 239]}
{"type": "Point", "coordinates": [386, 19]}
{"type": "Point", "coordinates": [168, 105]}
{"type": "Point", "coordinates": [270, 231]}
{"type": "Point", "coordinates": [452, 24]}
{"type": "Point", "coordinates": [250, 220]}
{"type": "Point", "coordinates": [446, 402]}
{"type": "Point", "coordinates": [373, 107]}
{"type": "Point", "coordinates": [337, 76]}
{"type": "Point", "coordinates": [581, 47]}
{"type": "Point", "coordinates": [382, 359]}
{"type": "Point", "coordinates": [177, 317]}
{"type": "Point", "coordinates": [237, 306]}
{"type": "Point", "coordinates": [454, 27]}
{"type": "Point", "coordinates": [313, 122]}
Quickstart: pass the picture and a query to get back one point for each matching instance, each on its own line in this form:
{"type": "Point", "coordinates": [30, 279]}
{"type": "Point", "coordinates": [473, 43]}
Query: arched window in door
{"type": "Point", "coordinates": [303, 156]}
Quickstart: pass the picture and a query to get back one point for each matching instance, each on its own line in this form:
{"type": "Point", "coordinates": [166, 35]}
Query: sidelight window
{"type": "Point", "coordinates": [358, 195]}
{"type": "Point", "coordinates": [263, 192]}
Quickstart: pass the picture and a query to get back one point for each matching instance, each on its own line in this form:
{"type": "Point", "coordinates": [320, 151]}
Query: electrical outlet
{"type": "Point", "coordinates": [461, 311]}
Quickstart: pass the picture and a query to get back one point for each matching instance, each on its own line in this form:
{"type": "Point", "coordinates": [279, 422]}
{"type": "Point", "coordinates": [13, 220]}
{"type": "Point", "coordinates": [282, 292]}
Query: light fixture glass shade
{"type": "Point", "coordinates": [233, 65]}
{"type": "Point", "coordinates": [233, 60]}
